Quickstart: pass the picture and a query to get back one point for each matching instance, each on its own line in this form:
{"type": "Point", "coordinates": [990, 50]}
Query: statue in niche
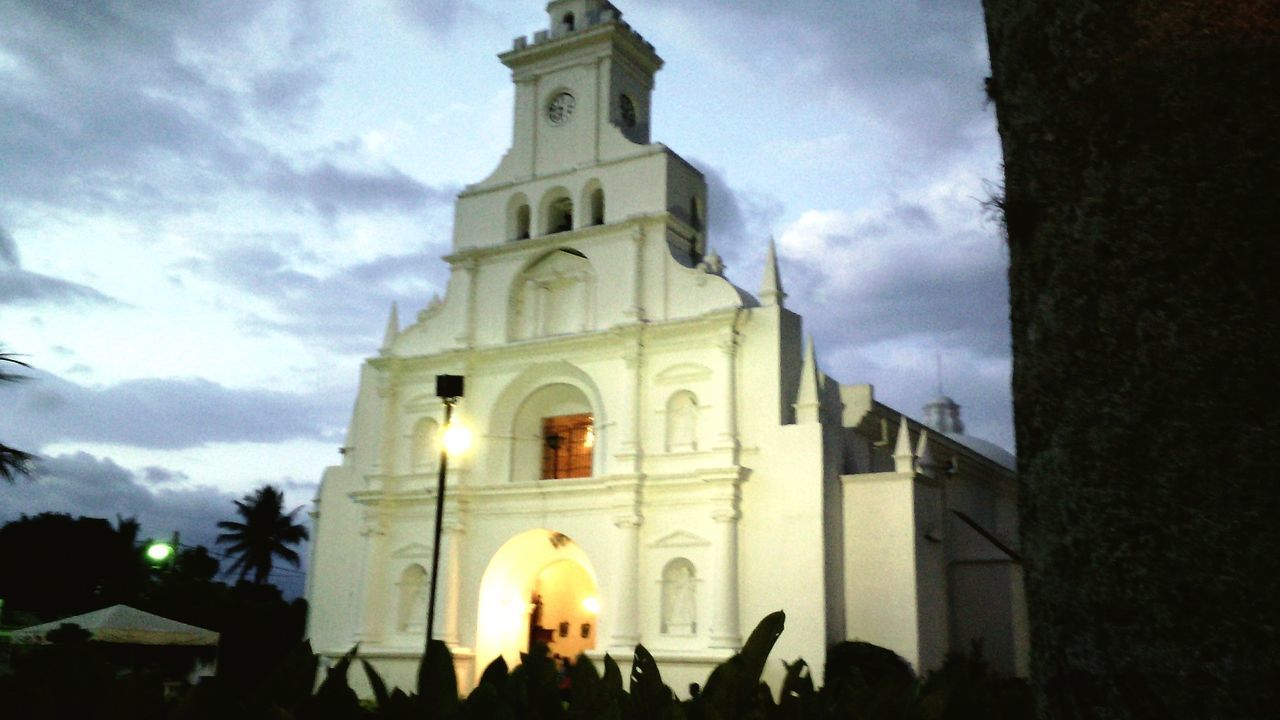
{"type": "Point", "coordinates": [682, 422]}
{"type": "Point", "coordinates": [679, 592]}
{"type": "Point", "coordinates": [413, 598]}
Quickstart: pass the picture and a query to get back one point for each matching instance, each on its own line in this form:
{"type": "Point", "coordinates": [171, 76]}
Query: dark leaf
{"type": "Point", "coordinates": [376, 683]}
{"type": "Point", "coordinates": [438, 683]}
{"type": "Point", "coordinates": [496, 673]}
{"type": "Point", "coordinates": [650, 698]}
{"type": "Point", "coordinates": [485, 703]}
{"type": "Point", "coordinates": [732, 688]}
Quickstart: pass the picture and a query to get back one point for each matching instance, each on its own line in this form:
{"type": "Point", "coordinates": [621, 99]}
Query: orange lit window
{"type": "Point", "coordinates": [567, 442]}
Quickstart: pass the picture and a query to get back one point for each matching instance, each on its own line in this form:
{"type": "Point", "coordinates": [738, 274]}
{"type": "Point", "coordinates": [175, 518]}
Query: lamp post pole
{"type": "Point", "coordinates": [448, 389]}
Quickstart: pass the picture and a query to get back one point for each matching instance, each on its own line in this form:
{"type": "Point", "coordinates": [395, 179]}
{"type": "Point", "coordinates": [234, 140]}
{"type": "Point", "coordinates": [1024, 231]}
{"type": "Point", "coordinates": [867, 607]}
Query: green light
{"type": "Point", "coordinates": [159, 552]}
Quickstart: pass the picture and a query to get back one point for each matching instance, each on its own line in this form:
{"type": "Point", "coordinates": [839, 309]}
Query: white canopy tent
{"type": "Point", "coordinates": [125, 625]}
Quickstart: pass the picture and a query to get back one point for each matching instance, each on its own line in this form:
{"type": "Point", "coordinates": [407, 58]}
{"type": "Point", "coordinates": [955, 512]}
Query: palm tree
{"type": "Point", "coordinates": [13, 462]}
{"type": "Point", "coordinates": [264, 535]}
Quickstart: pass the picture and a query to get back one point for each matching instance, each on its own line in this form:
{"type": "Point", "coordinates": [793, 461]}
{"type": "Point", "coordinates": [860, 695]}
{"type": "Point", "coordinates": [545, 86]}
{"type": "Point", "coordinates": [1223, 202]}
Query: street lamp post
{"type": "Point", "coordinates": [448, 389]}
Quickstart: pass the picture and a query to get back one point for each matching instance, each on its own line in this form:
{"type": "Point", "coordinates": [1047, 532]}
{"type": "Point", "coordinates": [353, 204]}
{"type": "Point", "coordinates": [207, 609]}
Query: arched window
{"type": "Point", "coordinates": [560, 217]}
{"type": "Point", "coordinates": [566, 23]}
{"type": "Point", "coordinates": [522, 222]}
{"type": "Point", "coordinates": [597, 206]}
{"type": "Point", "coordinates": [424, 447]}
{"type": "Point", "coordinates": [412, 607]}
{"type": "Point", "coordinates": [682, 421]}
{"type": "Point", "coordinates": [557, 211]}
{"type": "Point", "coordinates": [518, 217]}
{"type": "Point", "coordinates": [679, 598]}
{"type": "Point", "coordinates": [555, 435]}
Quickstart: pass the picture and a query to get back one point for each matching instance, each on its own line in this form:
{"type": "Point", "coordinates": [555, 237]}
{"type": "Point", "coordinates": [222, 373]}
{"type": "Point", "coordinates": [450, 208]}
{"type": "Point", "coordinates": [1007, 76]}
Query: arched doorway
{"type": "Point", "coordinates": [539, 586]}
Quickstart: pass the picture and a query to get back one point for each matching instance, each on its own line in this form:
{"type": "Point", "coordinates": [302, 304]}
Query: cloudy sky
{"type": "Point", "coordinates": [206, 210]}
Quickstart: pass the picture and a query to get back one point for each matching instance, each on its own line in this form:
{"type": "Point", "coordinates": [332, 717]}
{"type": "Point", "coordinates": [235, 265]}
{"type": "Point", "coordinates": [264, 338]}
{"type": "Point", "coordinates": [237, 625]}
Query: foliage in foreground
{"type": "Point", "coordinates": [864, 681]}
{"type": "Point", "coordinates": [13, 462]}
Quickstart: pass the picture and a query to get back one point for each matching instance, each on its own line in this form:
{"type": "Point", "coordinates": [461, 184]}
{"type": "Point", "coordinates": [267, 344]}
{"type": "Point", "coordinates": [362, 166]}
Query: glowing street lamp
{"type": "Point", "coordinates": [455, 440]}
{"type": "Point", "coordinates": [158, 552]}
{"type": "Point", "coordinates": [161, 552]}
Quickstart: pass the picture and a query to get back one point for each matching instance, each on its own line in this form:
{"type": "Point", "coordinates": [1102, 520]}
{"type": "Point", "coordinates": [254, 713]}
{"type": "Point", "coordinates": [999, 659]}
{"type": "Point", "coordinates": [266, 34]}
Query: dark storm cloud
{"type": "Point", "coordinates": [345, 310]}
{"type": "Point", "coordinates": [917, 66]}
{"type": "Point", "coordinates": [160, 413]}
{"type": "Point", "coordinates": [890, 292]}
{"type": "Point", "coordinates": [288, 91]}
{"type": "Point", "coordinates": [18, 286]}
{"type": "Point", "coordinates": [738, 222]}
{"type": "Point", "coordinates": [440, 18]}
{"type": "Point", "coordinates": [83, 484]}
{"type": "Point", "coordinates": [329, 189]}
{"type": "Point", "coordinates": [898, 272]}
{"type": "Point", "coordinates": [148, 106]}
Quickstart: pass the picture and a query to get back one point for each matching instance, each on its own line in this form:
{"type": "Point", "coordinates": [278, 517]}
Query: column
{"type": "Point", "coordinates": [452, 582]}
{"type": "Point", "coordinates": [388, 391]}
{"type": "Point", "coordinates": [636, 311]}
{"type": "Point", "coordinates": [724, 618]}
{"type": "Point", "coordinates": [633, 444]}
{"type": "Point", "coordinates": [728, 438]}
{"type": "Point", "coordinates": [622, 606]}
{"type": "Point", "coordinates": [373, 587]}
{"type": "Point", "coordinates": [469, 339]}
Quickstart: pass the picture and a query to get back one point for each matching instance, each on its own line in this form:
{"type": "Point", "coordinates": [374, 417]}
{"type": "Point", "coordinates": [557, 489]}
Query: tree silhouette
{"type": "Point", "coordinates": [1141, 160]}
{"type": "Point", "coordinates": [264, 535]}
{"type": "Point", "coordinates": [13, 462]}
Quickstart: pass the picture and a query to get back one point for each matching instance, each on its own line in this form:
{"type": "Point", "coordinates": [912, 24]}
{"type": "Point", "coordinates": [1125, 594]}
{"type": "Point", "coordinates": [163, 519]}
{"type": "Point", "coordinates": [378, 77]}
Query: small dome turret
{"type": "Point", "coordinates": [943, 415]}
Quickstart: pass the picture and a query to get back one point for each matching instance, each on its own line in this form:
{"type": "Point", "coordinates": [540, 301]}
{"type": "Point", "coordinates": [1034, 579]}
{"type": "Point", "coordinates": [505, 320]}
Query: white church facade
{"type": "Point", "coordinates": [657, 456]}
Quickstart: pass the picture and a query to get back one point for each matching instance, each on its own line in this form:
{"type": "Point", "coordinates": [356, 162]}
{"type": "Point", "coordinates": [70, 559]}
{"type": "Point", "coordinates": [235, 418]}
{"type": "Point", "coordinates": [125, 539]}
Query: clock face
{"type": "Point", "coordinates": [627, 111]}
{"type": "Point", "coordinates": [560, 108]}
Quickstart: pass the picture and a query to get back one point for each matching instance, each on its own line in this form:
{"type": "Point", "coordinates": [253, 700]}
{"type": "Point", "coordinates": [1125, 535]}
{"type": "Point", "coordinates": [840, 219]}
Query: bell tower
{"type": "Point", "coordinates": [583, 89]}
{"type": "Point", "coordinates": [581, 167]}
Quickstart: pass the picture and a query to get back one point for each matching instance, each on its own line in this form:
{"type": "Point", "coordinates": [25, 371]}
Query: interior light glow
{"type": "Point", "coordinates": [589, 440]}
{"type": "Point", "coordinates": [591, 604]}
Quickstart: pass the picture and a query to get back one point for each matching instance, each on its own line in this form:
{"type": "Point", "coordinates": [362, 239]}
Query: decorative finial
{"type": "Point", "coordinates": [808, 400]}
{"type": "Point", "coordinates": [771, 292]}
{"type": "Point", "coordinates": [711, 263]}
{"type": "Point", "coordinates": [903, 458]}
{"type": "Point", "coordinates": [924, 455]}
{"type": "Point", "coordinates": [392, 332]}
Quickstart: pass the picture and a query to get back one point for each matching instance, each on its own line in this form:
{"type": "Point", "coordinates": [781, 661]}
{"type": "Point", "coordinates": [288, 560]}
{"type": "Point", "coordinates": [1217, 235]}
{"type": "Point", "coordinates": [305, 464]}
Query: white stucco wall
{"type": "Point", "coordinates": [774, 493]}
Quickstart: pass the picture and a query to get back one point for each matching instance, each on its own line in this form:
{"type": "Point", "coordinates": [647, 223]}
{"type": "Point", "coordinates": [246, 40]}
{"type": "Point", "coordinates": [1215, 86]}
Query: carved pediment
{"type": "Point", "coordinates": [680, 538]}
{"type": "Point", "coordinates": [683, 374]}
{"type": "Point", "coordinates": [412, 550]}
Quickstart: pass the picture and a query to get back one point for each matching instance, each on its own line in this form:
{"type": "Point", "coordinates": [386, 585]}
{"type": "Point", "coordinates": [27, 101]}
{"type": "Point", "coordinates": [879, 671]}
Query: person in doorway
{"type": "Point", "coordinates": [564, 678]}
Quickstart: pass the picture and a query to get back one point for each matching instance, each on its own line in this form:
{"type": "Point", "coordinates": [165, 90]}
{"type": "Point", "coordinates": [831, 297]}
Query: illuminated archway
{"type": "Point", "coordinates": [549, 564]}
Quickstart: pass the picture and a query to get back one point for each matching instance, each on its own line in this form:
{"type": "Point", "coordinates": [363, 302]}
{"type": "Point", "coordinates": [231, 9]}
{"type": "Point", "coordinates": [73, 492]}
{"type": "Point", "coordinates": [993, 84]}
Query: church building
{"type": "Point", "coordinates": [657, 456]}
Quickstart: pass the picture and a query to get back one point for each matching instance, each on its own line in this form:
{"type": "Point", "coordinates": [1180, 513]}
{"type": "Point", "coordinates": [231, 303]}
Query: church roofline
{"type": "Point", "coordinates": [568, 237]}
{"type": "Point", "coordinates": [880, 416]}
{"type": "Point", "coordinates": [483, 187]}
